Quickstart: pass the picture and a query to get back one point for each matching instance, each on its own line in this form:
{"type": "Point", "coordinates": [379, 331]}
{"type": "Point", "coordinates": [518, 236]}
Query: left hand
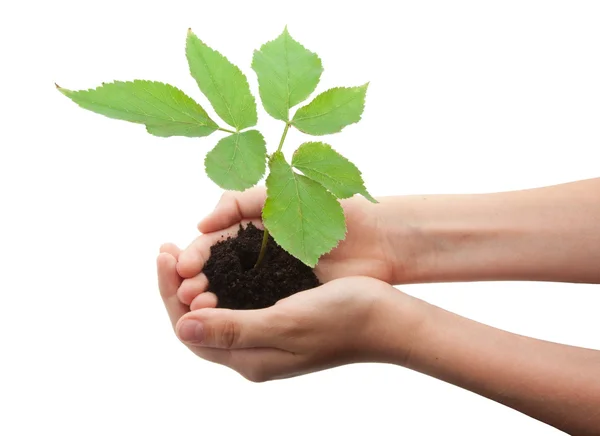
{"type": "Point", "coordinates": [349, 320]}
{"type": "Point", "coordinates": [378, 242]}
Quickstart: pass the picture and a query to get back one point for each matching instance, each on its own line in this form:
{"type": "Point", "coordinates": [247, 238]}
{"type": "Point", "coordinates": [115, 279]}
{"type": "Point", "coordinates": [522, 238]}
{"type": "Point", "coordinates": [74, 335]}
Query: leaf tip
{"type": "Point", "coordinates": [369, 197]}
{"type": "Point", "coordinates": [189, 31]}
{"type": "Point", "coordinates": [62, 90]}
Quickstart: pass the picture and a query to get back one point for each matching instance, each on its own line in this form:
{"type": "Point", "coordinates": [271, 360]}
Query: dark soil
{"type": "Point", "coordinates": [238, 285]}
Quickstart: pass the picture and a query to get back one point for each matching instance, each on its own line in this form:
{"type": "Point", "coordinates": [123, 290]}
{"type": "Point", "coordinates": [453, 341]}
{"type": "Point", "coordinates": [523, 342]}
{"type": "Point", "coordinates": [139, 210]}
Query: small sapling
{"type": "Point", "coordinates": [302, 211]}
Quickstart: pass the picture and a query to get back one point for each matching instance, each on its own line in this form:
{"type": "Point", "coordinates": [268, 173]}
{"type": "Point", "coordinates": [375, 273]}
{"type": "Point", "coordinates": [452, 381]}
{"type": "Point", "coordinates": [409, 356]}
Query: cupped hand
{"type": "Point", "coordinates": [371, 246]}
{"type": "Point", "coordinates": [349, 320]}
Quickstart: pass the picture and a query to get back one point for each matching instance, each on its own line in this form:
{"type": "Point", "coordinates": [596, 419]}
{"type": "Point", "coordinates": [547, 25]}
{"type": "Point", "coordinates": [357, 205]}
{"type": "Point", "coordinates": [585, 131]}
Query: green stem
{"type": "Point", "coordinates": [226, 130]}
{"type": "Point", "coordinates": [263, 247]}
{"type": "Point", "coordinates": [287, 127]}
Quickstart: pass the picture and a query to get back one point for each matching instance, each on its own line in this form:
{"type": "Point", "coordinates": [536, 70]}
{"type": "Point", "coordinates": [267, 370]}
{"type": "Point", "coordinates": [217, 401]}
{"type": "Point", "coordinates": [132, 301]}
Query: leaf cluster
{"type": "Point", "coordinates": [302, 210]}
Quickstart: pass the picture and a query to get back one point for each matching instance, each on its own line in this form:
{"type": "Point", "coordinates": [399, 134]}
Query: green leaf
{"type": "Point", "coordinates": [164, 109]}
{"type": "Point", "coordinates": [238, 161]}
{"type": "Point", "coordinates": [303, 217]}
{"type": "Point", "coordinates": [323, 164]}
{"type": "Point", "coordinates": [287, 74]}
{"type": "Point", "coordinates": [222, 83]}
{"type": "Point", "coordinates": [331, 111]}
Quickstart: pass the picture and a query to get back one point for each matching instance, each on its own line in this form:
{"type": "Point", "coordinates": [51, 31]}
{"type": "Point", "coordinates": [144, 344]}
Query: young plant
{"type": "Point", "coordinates": [302, 211]}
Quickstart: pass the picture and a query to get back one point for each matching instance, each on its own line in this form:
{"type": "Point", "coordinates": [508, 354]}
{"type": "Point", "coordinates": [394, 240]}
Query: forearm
{"type": "Point", "coordinates": [545, 234]}
{"type": "Point", "coordinates": [556, 384]}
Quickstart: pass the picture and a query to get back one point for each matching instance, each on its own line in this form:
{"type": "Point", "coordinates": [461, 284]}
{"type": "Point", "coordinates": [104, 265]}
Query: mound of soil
{"type": "Point", "coordinates": [238, 285]}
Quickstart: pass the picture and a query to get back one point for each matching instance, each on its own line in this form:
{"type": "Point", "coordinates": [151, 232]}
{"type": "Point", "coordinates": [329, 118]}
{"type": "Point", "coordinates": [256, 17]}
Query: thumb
{"type": "Point", "coordinates": [230, 329]}
{"type": "Point", "coordinates": [234, 207]}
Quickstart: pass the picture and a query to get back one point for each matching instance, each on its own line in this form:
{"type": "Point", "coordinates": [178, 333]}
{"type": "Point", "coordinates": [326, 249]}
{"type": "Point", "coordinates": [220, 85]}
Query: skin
{"type": "Point", "coordinates": [550, 234]}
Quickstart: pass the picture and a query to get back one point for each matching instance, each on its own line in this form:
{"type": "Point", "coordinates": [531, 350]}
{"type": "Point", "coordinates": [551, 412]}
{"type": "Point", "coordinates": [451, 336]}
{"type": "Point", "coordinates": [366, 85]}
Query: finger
{"type": "Point", "coordinates": [170, 248]}
{"type": "Point", "coordinates": [192, 259]}
{"type": "Point", "coordinates": [229, 329]}
{"type": "Point", "coordinates": [168, 283]}
{"type": "Point", "coordinates": [204, 300]}
{"type": "Point", "coordinates": [191, 288]}
{"type": "Point", "coordinates": [233, 207]}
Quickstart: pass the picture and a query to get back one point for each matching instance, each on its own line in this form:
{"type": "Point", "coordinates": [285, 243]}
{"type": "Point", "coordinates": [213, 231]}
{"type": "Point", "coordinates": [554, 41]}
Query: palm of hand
{"type": "Point", "coordinates": [309, 331]}
{"type": "Point", "coordinates": [369, 249]}
{"type": "Point", "coordinates": [301, 333]}
{"type": "Point", "coordinates": [364, 251]}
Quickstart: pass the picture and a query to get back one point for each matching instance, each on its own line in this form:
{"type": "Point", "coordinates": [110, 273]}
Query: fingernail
{"type": "Point", "coordinates": [191, 331]}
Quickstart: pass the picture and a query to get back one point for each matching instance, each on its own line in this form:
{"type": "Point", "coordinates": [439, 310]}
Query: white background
{"type": "Point", "coordinates": [464, 97]}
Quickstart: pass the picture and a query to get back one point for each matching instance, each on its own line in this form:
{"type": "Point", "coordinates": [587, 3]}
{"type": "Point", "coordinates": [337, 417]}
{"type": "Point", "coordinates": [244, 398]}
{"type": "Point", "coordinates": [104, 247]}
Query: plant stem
{"type": "Point", "coordinates": [287, 127]}
{"type": "Point", "coordinates": [225, 130]}
{"type": "Point", "coordinates": [263, 247]}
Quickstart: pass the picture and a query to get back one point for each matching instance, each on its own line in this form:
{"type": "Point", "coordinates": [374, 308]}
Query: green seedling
{"type": "Point", "coordinates": [302, 211]}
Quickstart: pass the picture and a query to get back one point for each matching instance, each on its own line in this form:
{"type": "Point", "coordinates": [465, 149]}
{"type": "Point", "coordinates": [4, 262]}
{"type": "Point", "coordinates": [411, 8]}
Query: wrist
{"type": "Point", "coordinates": [463, 238]}
{"type": "Point", "coordinates": [395, 327]}
{"type": "Point", "coordinates": [406, 243]}
{"type": "Point", "coordinates": [543, 234]}
{"type": "Point", "coordinates": [448, 238]}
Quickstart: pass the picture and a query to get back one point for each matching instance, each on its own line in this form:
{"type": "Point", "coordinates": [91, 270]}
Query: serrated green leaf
{"type": "Point", "coordinates": [238, 161]}
{"type": "Point", "coordinates": [287, 74]}
{"type": "Point", "coordinates": [304, 218]}
{"type": "Point", "coordinates": [164, 109]}
{"type": "Point", "coordinates": [222, 83]}
{"type": "Point", "coordinates": [323, 164]}
{"type": "Point", "coordinates": [331, 111]}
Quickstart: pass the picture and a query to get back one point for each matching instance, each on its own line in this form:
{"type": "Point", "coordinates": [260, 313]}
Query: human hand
{"type": "Point", "coordinates": [377, 243]}
{"type": "Point", "coordinates": [355, 319]}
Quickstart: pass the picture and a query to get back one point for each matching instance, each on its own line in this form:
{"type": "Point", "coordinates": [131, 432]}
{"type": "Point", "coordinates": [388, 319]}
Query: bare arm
{"type": "Point", "coordinates": [359, 319]}
{"type": "Point", "coordinates": [545, 234]}
{"type": "Point", "coordinates": [554, 383]}
{"type": "Point", "coordinates": [549, 234]}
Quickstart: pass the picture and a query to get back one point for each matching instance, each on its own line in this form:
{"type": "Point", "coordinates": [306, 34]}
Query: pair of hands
{"type": "Point", "coordinates": [355, 316]}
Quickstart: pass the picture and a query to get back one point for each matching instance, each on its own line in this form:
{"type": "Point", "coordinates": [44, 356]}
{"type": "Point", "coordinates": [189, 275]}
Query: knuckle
{"type": "Point", "coordinates": [194, 256]}
{"type": "Point", "coordinates": [187, 291]}
{"type": "Point", "coordinates": [227, 196]}
{"type": "Point", "coordinates": [231, 199]}
{"type": "Point", "coordinates": [228, 334]}
{"type": "Point", "coordinates": [181, 294]}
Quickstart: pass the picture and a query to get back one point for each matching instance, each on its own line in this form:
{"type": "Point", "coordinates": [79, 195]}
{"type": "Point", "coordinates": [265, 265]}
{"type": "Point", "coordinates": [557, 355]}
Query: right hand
{"type": "Point", "coordinates": [368, 249]}
{"type": "Point", "coordinates": [349, 320]}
